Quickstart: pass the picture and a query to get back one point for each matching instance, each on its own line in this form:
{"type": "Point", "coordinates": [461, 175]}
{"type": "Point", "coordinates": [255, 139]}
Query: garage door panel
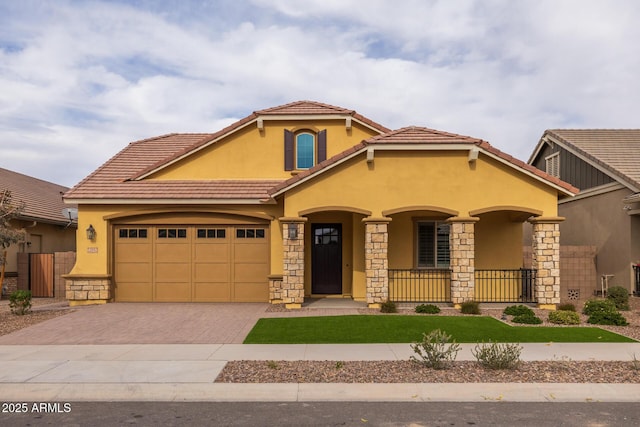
{"type": "Point", "coordinates": [134, 272]}
{"type": "Point", "coordinates": [134, 291]}
{"type": "Point", "coordinates": [138, 252]}
{"type": "Point", "coordinates": [173, 292]}
{"type": "Point", "coordinates": [212, 253]}
{"type": "Point", "coordinates": [173, 272]}
{"type": "Point", "coordinates": [244, 272]}
{"type": "Point", "coordinates": [212, 292]}
{"type": "Point", "coordinates": [215, 273]}
{"type": "Point", "coordinates": [172, 253]}
{"type": "Point", "coordinates": [250, 252]}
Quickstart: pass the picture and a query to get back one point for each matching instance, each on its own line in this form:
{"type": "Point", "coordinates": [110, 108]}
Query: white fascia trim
{"type": "Point", "coordinates": [595, 191]}
{"type": "Point", "coordinates": [172, 201]}
{"type": "Point", "coordinates": [595, 165]}
{"type": "Point", "coordinates": [297, 117]}
{"type": "Point", "coordinates": [189, 153]}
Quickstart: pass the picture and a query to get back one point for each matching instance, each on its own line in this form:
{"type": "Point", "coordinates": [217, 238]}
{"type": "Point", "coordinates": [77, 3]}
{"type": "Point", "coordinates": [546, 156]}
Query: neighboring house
{"type": "Point", "coordinates": [605, 166]}
{"type": "Point", "coordinates": [48, 229]}
{"type": "Point", "coordinates": [312, 200]}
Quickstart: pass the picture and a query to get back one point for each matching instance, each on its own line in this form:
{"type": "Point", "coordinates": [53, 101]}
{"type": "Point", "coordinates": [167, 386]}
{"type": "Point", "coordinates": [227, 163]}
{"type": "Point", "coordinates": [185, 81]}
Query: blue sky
{"type": "Point", "coordinates": [79, 80]}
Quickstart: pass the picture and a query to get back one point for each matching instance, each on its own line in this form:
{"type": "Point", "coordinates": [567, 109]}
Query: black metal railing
{"type": "Point", "coordinates": [417, 285]}
{"type": "Point", "coordinates": [505, 285]}
{"type": "Point", "coordinates": [636, 271]}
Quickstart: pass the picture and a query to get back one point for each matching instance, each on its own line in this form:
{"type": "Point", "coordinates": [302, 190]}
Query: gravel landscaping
{"type": "Point", "coordinates": [405, 371]}
{"type": "Point", "coordinates": [42, 309]}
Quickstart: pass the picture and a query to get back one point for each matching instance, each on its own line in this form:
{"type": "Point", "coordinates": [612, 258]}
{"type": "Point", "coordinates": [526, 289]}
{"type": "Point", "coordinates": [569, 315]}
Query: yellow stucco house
{"type": "Point", "coordinates": [308, 199]}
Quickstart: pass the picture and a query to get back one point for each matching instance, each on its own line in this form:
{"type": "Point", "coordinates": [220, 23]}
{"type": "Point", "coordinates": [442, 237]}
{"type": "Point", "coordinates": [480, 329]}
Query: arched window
{"type": "Point", "coordinates": [305, 150]}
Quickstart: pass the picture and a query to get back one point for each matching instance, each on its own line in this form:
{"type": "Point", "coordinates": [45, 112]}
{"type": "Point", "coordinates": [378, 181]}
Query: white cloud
{"type": "Point", "coordinates": [79, 80]}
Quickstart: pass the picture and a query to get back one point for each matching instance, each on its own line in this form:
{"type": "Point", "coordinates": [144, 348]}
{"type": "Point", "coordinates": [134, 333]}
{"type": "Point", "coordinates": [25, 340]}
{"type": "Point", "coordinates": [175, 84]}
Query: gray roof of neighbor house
{"type": "Point", "coordinates": [615, 151]}
{"type": "Point", "coordinates": [42, 199]}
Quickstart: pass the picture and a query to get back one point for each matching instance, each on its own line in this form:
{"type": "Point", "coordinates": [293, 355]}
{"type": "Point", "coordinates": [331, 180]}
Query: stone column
{"type": "Point", "coordinates": [292, 292]}
{"type": "Point", "coordinates": [376, 246]}
{"type": "Point", "coordinates": [462, 259]}
{"type": "Point", "coordinates": [546, 260]}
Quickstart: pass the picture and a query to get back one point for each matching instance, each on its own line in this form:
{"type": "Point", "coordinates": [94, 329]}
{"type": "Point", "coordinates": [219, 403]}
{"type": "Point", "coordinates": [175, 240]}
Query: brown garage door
{"type": "Point", "coordinates": [197, 263]}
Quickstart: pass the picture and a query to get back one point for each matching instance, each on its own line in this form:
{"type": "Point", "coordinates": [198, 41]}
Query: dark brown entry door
{"type": "Point", "coordinates": [326, 259]}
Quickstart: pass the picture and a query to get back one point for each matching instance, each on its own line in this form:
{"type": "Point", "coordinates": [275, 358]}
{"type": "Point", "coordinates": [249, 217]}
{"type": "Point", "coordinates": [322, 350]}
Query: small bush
{"type": "Point", "coordinates": [528, 319]}
{"type": "Point", "coordinates": [272, 364]}
{"type": "Point", "coordinates": [564, 317]}
{"type": "Point", "coordinates": [437, 350]}
{"type": "Point", "coordinates": [470, 307]}
{"type": "Point", "coordinates": [388, 307]}
{"type": "Point", "coordinates": [607, 318]}
{"type": "Point", "coordinates": [428, 309]}
{"type": "Point", "coordinates": [566, 307]}
{"type": "Point", "coordinates": [498, 356]}
{"type": "Point", "coordinates": [518, 310]}
{"type": "Point", "coordinates": [619, 296]}
{"type": "Point", "coordinates": [20, 302]}
{"type": "Point", "coordinates": [599, 306]}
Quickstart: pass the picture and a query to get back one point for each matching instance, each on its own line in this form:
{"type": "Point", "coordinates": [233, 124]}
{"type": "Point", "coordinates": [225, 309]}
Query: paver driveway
{"type": "Point", "coordinates": [140, 323]}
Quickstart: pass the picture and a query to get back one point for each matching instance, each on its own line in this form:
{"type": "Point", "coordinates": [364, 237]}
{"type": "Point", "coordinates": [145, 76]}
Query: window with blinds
{"type": "Point", "coordinates": [433, 245]}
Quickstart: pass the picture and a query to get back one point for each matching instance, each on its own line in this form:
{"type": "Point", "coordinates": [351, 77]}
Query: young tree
{"type": "Point", "coordinates": [8, 234]}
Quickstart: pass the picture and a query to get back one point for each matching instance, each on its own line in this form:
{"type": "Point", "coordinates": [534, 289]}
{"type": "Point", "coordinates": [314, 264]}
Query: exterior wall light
{"type": "Point", "coordinates": [293, 231]}
{"type": "Point", "coordinates": [91, 233]}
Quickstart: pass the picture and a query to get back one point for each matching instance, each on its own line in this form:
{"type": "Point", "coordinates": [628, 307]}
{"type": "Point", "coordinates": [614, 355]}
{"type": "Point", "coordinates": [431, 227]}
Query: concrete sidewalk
{"type": "Point", "coordinates": [169, 372]}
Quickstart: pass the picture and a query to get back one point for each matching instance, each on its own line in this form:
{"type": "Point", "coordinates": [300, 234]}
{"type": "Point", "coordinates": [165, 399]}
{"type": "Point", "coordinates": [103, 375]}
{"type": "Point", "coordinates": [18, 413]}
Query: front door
{"type": "Point", "coordinates": [326, 259]}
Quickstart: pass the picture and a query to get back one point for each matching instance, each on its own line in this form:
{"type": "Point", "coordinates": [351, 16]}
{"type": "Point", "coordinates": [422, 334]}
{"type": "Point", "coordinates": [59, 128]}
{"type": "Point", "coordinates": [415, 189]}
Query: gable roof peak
{"type": "Point", "coordinates": [421, 135]}
{"type": "Point", "coordinates": [305, 107]}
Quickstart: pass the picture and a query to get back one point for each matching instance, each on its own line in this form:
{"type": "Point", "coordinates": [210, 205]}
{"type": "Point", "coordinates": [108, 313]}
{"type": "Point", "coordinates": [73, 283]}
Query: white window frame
{"type": "Point", "coordinates": [552, 164]}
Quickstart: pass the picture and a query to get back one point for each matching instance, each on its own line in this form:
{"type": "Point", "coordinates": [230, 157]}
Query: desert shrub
{"type": "Point", "coordinates": [566, 307]}
{"type": "Point", "coordinates": [607, 318]}
{"type": "Point", "coordinates": [564, 317]}
{"type": "Point", "coordinates": [20, 302]}
{"type": "Point", "coordinates": [388, 307]}
{"type": "Point", "coordinates": [619, 296]}
{"type": "Point", "coordinates": [528, 319]}
{"type": "Point", "coordinates": [437, 350]}
{"type": "Point", "coordinates": [497, 356]}
{"type": "Point", "coordinates": [428, 309]}
{"type": "Point", "coordinates": [470, 307]}
{"type": "Point", "coordinates": [517, 310]}
{"type": "Point", "coordinates": [599, 306]}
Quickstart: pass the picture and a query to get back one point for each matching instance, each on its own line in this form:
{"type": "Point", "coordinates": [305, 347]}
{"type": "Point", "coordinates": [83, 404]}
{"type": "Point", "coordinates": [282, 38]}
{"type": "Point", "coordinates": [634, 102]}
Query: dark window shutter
{"type": "Point", "coordinates": [288, 150]}
{"type": "Point", "coordinates": [322, 145]}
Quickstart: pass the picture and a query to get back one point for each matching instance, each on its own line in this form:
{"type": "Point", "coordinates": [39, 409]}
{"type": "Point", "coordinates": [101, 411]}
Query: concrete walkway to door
{"type": "Point", "coordinates": [165, 323]}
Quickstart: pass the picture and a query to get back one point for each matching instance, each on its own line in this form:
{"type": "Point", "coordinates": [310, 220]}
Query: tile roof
{"type": "Point", "coordinates": [120, 177]}
{"type": "Point", "coordinates": [113, 179]}
{"type": "Point", "coordinates": [43, 200]}
{"type": "Point", "coordinates": [617, 151]}
{"type": "Point", "coordinates": [422, 136]}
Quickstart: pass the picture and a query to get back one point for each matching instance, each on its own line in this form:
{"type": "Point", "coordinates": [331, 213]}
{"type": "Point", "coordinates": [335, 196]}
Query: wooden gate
{"type": "Point", "coordinates": [41, 275]}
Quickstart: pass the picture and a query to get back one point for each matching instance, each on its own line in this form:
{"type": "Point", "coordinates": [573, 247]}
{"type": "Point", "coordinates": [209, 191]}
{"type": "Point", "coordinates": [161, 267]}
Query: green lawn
{"type": "Point", "coordinates": [406, 329]}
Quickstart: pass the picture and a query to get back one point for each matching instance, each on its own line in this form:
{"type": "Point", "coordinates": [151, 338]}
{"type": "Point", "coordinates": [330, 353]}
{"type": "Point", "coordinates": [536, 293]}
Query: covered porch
{"type": "Point", "coordinates": [418, 254]}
